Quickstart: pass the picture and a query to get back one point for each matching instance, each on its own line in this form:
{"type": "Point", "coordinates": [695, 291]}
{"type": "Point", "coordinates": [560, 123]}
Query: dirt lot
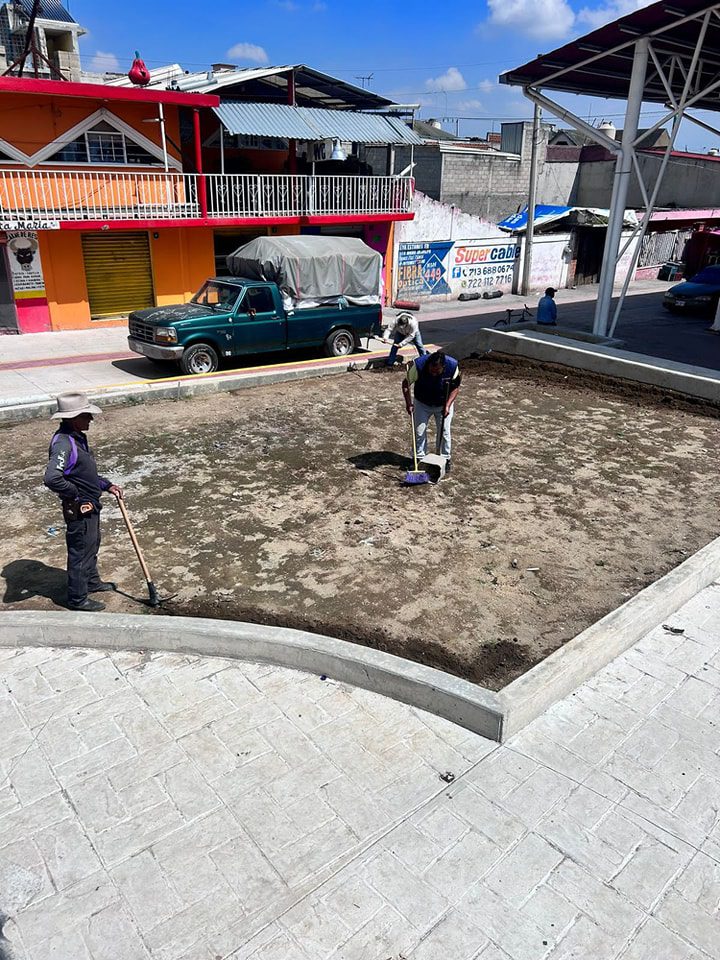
{"type": "Point", "coordinates": [284, 505]}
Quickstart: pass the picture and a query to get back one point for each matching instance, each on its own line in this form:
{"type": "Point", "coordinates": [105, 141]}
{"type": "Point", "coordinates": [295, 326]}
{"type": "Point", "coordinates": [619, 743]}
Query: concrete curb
{"type": "Point", "coordinates": [179, 388]}
{"type": "Point", "coordinates": [485, 712]}
{"type": "Point", "coordinates": [581, 658]}
{"type": "Point", "coordinates": [524, 341]}
{"type": "Point", "coordinates": [457, 700]}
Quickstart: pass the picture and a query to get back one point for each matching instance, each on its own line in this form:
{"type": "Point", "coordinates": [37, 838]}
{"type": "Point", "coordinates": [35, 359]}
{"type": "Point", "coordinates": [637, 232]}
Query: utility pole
{"type": "Point", "coordinates": [532, 194]}
{"type": "Point", "coordinates": [363, 78]}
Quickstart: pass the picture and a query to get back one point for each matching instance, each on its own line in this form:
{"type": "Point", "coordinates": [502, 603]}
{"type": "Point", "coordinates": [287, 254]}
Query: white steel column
{"type": "Point", "coordinates": [532, 195]}
{"type": "Point", "coordinates": [623, 172]}
{"type": "Point", "coordinates": [163, 139]}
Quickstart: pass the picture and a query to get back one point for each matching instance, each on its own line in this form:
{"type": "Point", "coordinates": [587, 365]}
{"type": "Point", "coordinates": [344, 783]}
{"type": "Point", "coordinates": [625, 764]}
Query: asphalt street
{"type": "Point", "coordinates": [645, 327]}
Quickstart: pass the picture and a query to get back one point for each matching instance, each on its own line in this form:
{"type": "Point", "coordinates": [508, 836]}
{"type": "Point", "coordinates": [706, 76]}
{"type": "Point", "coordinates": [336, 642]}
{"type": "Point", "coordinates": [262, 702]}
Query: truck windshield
{"type": "Point", "coordinates": [220, 296]}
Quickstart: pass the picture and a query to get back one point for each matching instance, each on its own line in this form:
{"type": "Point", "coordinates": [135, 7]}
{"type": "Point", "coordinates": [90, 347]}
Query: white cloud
{"type": "Point", "coordinates": [248, 51]}
{"type": "Point", "coordinates": [468, 105]}
{"type": "Point", "coordinates": [452, 79]}
{"type": "Point", "coordinates": [543, 19]}
{"type": "Point", "coordinates": [487, 85]}
{"type": "Point", "coordinates": [104, 62]}
{"type": "Point", "coordinates": [595, 17]}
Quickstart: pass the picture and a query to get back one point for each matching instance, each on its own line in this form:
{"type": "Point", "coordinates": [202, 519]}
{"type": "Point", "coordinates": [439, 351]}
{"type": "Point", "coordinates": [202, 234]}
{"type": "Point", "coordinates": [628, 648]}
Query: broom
{"type": "Point", "coordinates": [415, 477]}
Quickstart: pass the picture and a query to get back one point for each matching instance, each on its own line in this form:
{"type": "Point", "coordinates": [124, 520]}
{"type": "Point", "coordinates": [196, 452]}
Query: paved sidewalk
{"type": "Point", "coordinates": [175, 808]}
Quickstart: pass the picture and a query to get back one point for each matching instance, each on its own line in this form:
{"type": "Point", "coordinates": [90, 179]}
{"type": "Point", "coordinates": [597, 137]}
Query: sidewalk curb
{"type": "Point", "coordinates": [18, 409]}
{"type": "Point", "coordinates": [419, 686]}
{"type": "Point", "coordinates": [495, 715]}
{"type": "Point", "coordinates": [525, 341]}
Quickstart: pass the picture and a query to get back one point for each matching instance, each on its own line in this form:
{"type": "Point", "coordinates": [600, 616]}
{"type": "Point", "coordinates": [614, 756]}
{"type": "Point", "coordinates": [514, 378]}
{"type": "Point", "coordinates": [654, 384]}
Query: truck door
{"type": "Point", "coordinates": [259, 326]}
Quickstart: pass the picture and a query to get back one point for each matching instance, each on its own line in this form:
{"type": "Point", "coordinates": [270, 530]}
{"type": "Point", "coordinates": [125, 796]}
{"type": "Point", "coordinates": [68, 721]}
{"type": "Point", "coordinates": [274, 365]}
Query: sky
{"type": "Point", "coordinates": [444, 56]}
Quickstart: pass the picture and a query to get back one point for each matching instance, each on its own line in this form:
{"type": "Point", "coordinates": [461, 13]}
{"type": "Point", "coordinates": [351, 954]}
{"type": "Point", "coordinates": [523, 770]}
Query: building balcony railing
{"type": "Point", "coordinates": [44, 196]}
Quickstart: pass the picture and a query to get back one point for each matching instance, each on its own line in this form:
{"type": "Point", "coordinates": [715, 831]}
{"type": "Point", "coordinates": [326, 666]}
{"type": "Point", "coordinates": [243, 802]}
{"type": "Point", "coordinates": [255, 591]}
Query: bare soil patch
{"type": "Point", "coordinates": [284, 505]}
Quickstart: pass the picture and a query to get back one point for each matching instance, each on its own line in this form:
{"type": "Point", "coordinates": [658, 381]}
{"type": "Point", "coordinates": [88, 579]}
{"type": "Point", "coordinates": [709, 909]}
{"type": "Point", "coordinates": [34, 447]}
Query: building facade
{"type": "Point", "coordinates": [114, 198]}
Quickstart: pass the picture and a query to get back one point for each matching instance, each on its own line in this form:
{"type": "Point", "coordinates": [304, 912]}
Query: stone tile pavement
{"type": "Point", "coordinates": [176, 808]}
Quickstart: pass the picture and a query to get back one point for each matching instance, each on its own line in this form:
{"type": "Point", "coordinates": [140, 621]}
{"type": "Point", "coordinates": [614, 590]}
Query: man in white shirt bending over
{"type": "Point", "coordinates": [404, 330]}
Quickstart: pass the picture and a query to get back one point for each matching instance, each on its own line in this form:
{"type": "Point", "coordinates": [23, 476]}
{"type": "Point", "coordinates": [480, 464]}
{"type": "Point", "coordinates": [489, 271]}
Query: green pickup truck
{"type": "Point", "coordinates": [235, 316]}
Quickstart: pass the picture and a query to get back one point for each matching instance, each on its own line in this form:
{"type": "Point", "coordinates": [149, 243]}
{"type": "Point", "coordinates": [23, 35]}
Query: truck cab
{"type": "Point", "coordinates": [234, 316]}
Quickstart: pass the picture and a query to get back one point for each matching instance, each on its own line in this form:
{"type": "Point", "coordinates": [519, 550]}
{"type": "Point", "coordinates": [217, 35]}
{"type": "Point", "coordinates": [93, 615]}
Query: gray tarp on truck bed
{"type": "Point", "coordinates": [312, 269]}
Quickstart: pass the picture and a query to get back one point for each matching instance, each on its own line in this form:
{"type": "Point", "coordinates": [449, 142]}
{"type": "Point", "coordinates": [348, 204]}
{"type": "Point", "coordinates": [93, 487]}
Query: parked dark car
{"type": "Point", "coordinates": [699, 294]}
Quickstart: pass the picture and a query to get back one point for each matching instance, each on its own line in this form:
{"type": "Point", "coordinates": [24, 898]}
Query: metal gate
{"type": "Point", "coordinates": [118, 271]}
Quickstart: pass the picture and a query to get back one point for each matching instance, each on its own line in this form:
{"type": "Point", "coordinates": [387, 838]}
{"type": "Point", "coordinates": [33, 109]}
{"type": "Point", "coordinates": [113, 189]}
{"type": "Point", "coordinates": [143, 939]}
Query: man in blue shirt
{"type": "Point", "coordinates": [435, 379]}
{"type": "Point", "coordinates": [547, 309]}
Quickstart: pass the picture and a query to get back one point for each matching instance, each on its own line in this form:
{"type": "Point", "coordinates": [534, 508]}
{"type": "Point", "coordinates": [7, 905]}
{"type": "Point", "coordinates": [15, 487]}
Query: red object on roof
{"type": "Point", "coordinates": [100, 91]}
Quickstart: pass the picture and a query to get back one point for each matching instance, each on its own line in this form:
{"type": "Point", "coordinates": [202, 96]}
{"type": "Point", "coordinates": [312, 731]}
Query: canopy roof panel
{"type": "Point", "coordinates": [599, 64]}
{"type": "Point", "coordinates": [308, 123]}
{"type": "Point", "coordinates": [312, 87]}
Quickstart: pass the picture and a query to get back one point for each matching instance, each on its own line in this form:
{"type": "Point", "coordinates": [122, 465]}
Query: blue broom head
{"type": "Point", "coordinates": [415, 477]}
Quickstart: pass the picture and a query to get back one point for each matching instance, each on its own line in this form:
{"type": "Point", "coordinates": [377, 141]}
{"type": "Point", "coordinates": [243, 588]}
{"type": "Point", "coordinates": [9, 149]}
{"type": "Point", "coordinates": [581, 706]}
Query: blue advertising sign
{"type": "Point", "coordinates": [422, 270]}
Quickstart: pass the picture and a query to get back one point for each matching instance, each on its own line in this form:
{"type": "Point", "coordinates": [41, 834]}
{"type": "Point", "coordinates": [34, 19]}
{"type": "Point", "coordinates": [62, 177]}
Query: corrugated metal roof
{"type": "Point", "coordinates": [308, 123]}
{"type": "Point", "coordinates": [49, 10]}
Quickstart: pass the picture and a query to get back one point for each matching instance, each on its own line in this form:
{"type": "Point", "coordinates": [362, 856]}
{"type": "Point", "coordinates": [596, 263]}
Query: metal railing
{"type": "Point", "coordinates": [77, 195]}
{"type": "Point", "coordinates": [262, 195]}
{"type": "Point", "coordinates": [43, 195]}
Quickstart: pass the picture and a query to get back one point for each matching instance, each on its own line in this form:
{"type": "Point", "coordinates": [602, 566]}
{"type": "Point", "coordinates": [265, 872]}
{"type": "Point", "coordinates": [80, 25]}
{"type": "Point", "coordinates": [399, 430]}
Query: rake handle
{"type": "Point", "coordinates": [134, 540]}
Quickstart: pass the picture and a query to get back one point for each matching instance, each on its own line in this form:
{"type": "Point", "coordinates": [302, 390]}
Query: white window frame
{"type": "Point", "coordinates": [45, 154]}
{"type": "Point", "coordinates": [14, 155]}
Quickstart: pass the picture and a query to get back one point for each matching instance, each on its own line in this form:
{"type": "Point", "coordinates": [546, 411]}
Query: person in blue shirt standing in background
{"type": "Point", "coordinates": [547, 309]}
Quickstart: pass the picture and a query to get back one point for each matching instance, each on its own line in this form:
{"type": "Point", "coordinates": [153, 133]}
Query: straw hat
{"type": "Point", "coordinates": [72, 405]}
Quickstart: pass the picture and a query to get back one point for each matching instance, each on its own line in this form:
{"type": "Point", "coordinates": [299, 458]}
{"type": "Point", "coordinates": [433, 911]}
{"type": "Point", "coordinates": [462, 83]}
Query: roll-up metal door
{"type": "Point", "coordinates": [118, 272]}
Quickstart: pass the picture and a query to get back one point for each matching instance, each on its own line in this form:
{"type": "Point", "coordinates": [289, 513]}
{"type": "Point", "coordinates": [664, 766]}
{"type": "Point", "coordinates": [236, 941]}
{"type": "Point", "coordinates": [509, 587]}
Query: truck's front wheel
{"type": "Point", "coordinates": [199, 358]}
{"type": "Point", "coordinates": [340, 343]}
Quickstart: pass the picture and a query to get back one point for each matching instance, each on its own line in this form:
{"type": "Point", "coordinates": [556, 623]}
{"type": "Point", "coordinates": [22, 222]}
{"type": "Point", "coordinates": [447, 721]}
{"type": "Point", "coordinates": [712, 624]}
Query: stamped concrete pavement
{"type": "Point", "coordinates": [178, 808]}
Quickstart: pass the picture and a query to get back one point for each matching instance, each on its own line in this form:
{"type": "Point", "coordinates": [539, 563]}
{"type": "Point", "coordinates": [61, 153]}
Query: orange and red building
{"type": "Point", "coordinates": [114, 197]}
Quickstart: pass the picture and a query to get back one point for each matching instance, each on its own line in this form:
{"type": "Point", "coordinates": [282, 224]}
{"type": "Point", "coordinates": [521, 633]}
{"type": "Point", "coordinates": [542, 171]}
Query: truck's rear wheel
{"type": "Point", "coordinates": [340, 343]}
{"type": "Point", "coordinates": [199, 358]}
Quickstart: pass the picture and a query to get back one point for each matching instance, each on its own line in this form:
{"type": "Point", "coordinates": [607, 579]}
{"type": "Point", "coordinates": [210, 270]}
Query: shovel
{"type": "Point", "coordinates": [154, 599]}
{"type": "Point", "coordinates": [415, 477]}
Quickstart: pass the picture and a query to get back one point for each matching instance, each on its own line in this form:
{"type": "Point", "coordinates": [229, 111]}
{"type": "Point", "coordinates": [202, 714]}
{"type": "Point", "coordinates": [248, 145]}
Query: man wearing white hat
{"type": "Point", "coordinates": [72, 474]}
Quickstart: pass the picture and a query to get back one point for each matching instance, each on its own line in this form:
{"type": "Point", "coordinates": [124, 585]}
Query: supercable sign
{"type": "Point", "coordinates": [480, 266]}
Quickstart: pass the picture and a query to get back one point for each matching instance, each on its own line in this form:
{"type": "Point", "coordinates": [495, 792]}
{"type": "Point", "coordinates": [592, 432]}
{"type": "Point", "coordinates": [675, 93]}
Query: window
{"type": "Point", "coordinates": [259, 299]}
{"type": "Point", "coordinates": [105, 147]}
{"type": "Point", "coordinates": [221, 295]}
{"type": "Point", "coordinates": [103, 144]}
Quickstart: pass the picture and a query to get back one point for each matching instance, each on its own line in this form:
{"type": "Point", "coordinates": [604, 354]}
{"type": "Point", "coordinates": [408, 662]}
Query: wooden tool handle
{"type": "Point", "coordinates": [135, 543]}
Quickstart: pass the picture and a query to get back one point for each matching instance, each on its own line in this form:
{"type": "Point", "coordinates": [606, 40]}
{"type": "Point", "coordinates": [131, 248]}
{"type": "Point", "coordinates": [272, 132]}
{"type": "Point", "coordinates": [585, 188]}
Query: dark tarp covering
{"type": "Point", "coordinates": [312, 269]}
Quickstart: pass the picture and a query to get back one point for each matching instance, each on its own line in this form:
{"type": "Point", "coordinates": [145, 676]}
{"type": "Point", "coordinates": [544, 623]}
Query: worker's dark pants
{"type": "Point", "coordinates": [83, 543]}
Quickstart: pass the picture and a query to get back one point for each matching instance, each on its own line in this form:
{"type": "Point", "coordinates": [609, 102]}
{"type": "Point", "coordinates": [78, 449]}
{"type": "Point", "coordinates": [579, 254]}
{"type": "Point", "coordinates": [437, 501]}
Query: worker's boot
{"type": "Point", "coordinates": [103, 586]}
{"type": "Point", "coordinates": [88, 606]}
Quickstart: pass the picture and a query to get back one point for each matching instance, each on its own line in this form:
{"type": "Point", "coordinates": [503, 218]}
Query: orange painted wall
{"type": "Point", "coordinates": [29, 122]}
{"type": "Point", "coordinates": [181, 259]}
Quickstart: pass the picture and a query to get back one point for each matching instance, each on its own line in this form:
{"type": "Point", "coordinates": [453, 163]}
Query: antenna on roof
{"type": "Point", "coordinates": [366, 77]}
{"type": "Point", "coordinates": [32, 48]}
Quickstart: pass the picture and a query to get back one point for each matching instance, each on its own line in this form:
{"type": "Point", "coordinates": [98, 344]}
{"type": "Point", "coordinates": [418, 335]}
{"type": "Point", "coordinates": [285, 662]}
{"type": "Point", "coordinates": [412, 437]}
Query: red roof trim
{"type": "Point", "coordinates": [100, 91]}
{"type": "Point", "coordinates": [232, 222]}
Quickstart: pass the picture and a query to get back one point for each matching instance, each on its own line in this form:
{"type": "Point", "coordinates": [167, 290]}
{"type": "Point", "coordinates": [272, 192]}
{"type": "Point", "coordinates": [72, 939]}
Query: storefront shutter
{"type": "Point", "coordinates": [118, 272]}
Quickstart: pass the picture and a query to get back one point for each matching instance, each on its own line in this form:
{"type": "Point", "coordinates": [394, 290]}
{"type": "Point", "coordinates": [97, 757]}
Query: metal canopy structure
{"type": "Point", "coordinates": [308, 123]}
{"type": "Point", "coordinates": [667, 53]}
{"type": "Point", "coordinates": [312, 88]}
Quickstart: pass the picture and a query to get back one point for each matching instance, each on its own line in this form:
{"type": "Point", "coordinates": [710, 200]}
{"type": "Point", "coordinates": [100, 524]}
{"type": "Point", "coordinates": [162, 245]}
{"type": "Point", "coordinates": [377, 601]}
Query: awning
{"type": "Point", "coordinates": [577, 216]}
{"type": "Point", "coordinates": [543, 214]}
{"type": "Point", "coordinates": [308, 123]}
